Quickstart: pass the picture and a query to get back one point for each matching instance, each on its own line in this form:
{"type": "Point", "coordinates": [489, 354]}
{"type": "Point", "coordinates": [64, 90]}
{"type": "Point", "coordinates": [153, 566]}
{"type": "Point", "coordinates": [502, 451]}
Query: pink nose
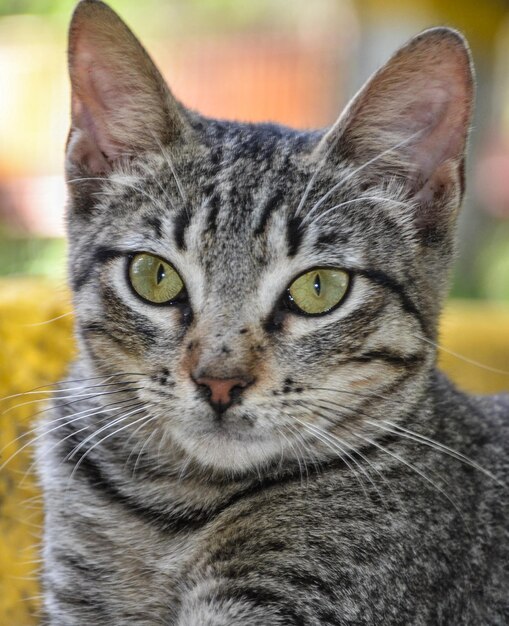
{"type": "Point", "coordinates": [222, 390]}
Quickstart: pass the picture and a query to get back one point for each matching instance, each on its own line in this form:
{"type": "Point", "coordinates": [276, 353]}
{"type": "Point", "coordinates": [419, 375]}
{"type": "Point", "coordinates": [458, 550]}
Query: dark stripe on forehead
{"type": "Point", "coordinates": [271, 205]}
{"type": "Point", "coordinates": [180, 225]}
{"type": "Point", "coordinates": [100, 256]}
{"type": "Point", "coordinates": [294, 235]}
{"type": "Point", "coordinates": [156, 224]}
{"type": "Point", "coordinates": [328, 239]}
{"type": "Point", "coordinates": [382, 279]}
{"type": "Point", "coordinates": [214, 203]}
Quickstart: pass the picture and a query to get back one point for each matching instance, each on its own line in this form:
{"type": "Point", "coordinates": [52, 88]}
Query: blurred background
{"type": "Point", "coordinates": [292, 61]}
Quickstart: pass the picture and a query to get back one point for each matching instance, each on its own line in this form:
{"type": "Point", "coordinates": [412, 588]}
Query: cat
{"type": "Point", "coordinates": [254, 432]}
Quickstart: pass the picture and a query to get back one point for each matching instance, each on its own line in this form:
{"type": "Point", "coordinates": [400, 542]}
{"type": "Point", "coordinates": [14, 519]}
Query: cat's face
{"type": "Point", "coordinates": [233, 370]}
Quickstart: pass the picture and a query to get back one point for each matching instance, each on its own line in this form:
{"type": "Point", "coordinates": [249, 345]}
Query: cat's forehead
{"type": "Point", "coordinates": [234, 181]}
{"type": "Point", "coordinates": [262, 143]}
{"type": "Point", "coordinates": [240, 165]}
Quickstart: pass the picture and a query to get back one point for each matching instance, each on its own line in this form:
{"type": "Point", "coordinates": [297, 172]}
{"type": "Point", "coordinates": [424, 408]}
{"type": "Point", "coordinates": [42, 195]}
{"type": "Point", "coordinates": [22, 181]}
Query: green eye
{"type": "Point", "coordinates": [153, 279]}
{"type": "Point", "coordinates": [319, 290]}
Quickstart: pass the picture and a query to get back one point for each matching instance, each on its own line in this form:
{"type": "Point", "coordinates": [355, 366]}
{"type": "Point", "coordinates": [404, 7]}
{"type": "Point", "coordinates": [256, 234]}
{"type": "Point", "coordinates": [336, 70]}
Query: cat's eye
{"type": "Point", "coordinates": [319, 290]}
{"type": "Point", "coordinates": [154, 280]}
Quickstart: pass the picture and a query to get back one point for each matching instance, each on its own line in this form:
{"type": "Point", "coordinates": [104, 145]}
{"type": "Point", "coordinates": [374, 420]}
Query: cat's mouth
{"type": "Point", "coordinates": [235, 423]}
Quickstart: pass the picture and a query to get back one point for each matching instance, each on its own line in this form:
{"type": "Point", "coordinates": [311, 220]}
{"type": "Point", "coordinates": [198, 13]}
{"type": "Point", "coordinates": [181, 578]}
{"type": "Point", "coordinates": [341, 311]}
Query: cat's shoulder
{"type": "Point", "coordinates": [495, 408]}
{"type": "Point", "coordinates": [482, 420]}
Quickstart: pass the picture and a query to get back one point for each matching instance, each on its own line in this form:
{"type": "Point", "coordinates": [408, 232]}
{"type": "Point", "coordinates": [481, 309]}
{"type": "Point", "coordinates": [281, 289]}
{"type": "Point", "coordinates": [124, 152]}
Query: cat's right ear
{"type": "Point", "coordinates": [411, 121]}
{"type": "Point", "coordinates": [121, 105]}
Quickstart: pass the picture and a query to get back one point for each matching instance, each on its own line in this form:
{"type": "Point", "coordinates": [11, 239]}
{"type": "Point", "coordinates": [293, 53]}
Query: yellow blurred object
{"type": "Point", "coordinates": [475, 340]}
{"type": "Point", "coordinates": [36, 344]}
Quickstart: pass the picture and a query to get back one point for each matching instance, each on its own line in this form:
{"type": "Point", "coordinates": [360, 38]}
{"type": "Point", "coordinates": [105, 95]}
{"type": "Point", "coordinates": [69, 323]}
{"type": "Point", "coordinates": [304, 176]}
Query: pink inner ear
{"type": "Point", "coordinates": [90, 104]}
{"type": "Point", "coordinates": [414, 112]}
{"type": "Point", "coordinates": [102, 106]}
{"type": "Point", "coordinates": [442, 116]}
{"type": "Point", "coordinates": [84, 145]}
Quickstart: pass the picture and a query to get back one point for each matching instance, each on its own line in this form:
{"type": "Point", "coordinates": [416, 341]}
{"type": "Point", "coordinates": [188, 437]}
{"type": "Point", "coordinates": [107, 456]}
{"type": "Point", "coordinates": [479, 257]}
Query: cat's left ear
{"type": "Point", "coordinates": [412, 118]}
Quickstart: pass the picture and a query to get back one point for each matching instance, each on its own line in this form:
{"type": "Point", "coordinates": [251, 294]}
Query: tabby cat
{"type": "Point", "coordinates": [254, 432]}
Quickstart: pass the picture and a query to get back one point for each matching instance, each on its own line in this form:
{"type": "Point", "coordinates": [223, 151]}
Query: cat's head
{"type": "Point", "coordinates": [273, 293]}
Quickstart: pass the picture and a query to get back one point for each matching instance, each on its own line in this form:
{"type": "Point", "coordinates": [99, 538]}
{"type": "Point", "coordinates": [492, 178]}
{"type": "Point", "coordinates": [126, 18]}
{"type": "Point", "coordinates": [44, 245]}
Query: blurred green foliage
{"type": "Point", "coordinates": [24, 256]}
{"type": "Point", "coordinates": [175, 17]}
{"type": "Point", "coordinates": [40, 7]}
{"type": "Point", "coordinates": [494, 263]}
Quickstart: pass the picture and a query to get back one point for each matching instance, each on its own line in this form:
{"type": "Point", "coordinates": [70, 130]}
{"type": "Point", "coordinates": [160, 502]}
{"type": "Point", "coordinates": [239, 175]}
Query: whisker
{"type": "Point", "coordinates": [381, 199]}
{"type": "Point", "coordinates": [54, 319]}
{"type": "Point", "coordinates": [307, 449]}
{"type": "Point", "coordinates": [362, 456]}
{"type": "Point", "coordinates": [132, 435]}
{"type": "Point", "coordinates": [63, 418]}
{"type": "Point", "coordinates": [169, 161]}
{"type": "Point", "coordinates": [319, 203]}
{"type": "Point", "coordinates": [155, 178]}
{"type": "Point", "coordinates": [408, 434]}
{"type": "Point", "coordinates": [410, 466]}
{"type": "Point", "coordinates": [356, 434]}
{"type": "Point", "coordinates": [359, 394]}
{"type": "Point", "coordinates": [280, 433]}
{"type": "Point", "coordinates": [89, 450]}
{"type": "Point", "coordinates": [147, 440]}
{"type": "Point", "coordinates": [321, 435]}
{"type": "Point", "coordinates": [300, 443]}
{"type": "Point", "coordinates": [456, 355]}
{"type": "Point", "coordinates": [64, 421]}
{"type": "Point", "coordinates": [115, 181]}
{"type": "Point", "coordinates": [416, 437]}
{"type": "Point", "coordinates": [312, 179]}
{"type": "Point", "coordinates": [31, 468]}
{"type": "Point", "coordinates": [135, 406]}
{"type": "Point", "coordinates": [82, 396]}
{"type": "Point", "coordinates": [59, 383]}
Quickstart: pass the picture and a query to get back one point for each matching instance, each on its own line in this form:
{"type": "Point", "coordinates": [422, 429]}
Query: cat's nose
{"type": "Point", "coordinates": [222, 392]}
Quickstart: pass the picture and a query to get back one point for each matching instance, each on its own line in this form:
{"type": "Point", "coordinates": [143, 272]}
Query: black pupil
{"type": "Point", "coordinates": [317, 285]}
{"type": "Point", "coordinates": [160, 273]}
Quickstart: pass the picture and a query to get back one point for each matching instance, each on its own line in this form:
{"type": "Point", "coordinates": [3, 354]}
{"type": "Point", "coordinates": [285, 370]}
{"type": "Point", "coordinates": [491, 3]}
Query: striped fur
{"type": "Point", "coordinates": [351, 483]}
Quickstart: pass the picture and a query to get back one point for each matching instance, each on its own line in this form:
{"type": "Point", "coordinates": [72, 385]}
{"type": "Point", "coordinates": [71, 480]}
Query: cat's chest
{"type": "Point", "coordinates": [142, 566]}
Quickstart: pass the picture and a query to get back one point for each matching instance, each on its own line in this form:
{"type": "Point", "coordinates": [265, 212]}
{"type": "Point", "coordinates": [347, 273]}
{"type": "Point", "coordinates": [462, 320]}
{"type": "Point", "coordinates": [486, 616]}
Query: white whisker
{"type": "Point", "coordinates": [65, 420]}
{"type": "Point", "coordinates": [79, 396]}
{"type": "Point", "coordinates": [320, 434]}
{"type": "Point", "coordinates": [339, 184]}
{"type": "Point", "coordinates": [169, 161]}
{"type": "Point", "coordinates": [312, 179]}
{"type": "Point", "coordinates": [135, 407]}
{"type": "Point", "coordinates": [53, 319]}
{"type": "Point", "coordinates": [488, 368]}
{"type": "Point", "coordinates": [439, 447]}
{"type": "Point", "coordinates": [98, 443]}
{"type": "Point", "coordinates": [410, 466]}
{"type": "Point", "coordinates": [147, 440]}
{"type": "Point", "coordinates": [380, 199]}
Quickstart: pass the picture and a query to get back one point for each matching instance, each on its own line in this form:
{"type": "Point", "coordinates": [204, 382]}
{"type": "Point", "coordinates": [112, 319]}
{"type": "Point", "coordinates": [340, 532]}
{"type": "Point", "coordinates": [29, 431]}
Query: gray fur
{"type": "Point", "coordinates": [351, 483]}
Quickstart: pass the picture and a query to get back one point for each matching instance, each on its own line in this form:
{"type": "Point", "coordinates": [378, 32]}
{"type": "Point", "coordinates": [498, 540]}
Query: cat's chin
{"type": "Point", "coordinates": [227, 449]}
